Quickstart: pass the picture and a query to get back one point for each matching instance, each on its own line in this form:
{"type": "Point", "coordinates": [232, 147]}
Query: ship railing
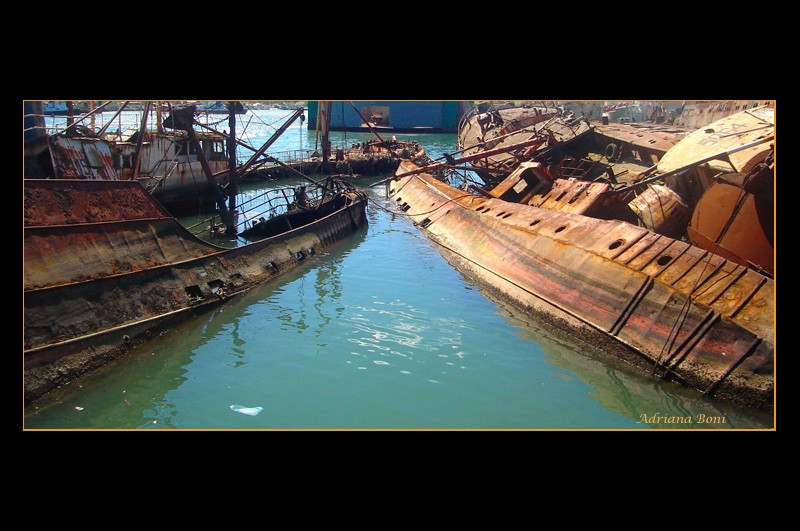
{"type": "Point", "coordinates": [268, 204]}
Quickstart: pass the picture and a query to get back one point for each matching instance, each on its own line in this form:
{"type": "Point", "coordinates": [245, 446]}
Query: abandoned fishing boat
{"type": "Point", "coordinates": [369, 158]}
{"type": "Point", "coordinates": [185, 170]}
{"type": "Point", "coordinates": [174, 165]}
{"type": "Point", "coordinates": [681, 312]}
{"type": "Point", "coordinates": [106, 266]}
{"type": "Point", "coordinates": [361, 159]}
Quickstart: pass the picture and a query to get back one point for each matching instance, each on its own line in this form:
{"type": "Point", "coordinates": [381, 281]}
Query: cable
{"type": "Point", "coordinates": [381, 207]}
{"type": "Point", "coordinates": [687, 303]}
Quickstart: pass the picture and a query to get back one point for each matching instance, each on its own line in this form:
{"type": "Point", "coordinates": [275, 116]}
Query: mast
{"type": "Point", "coordinates": [70, 113]}
{"type": "Point", "coordinates": [233, 177]}
{"type": "Point", "coordinates": [159, 125]}
{"type": "Point", "coordinates": [138, 153]}
{"type": "Point", "coordinates": [184, 119]}
{"type": "Point", "coordinates": [324, 127]}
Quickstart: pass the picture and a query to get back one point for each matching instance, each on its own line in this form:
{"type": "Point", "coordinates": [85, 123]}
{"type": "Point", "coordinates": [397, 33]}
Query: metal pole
{"type": "Point", "coordinates": [91, 114]}
{"type": "Point", "coordinates": [364, 120]}
{"type": "Point", "coordinates": [468, 158]}
{"type": "Point", "coordinates": [159, 125]}
{"type": "Point", "coordinates": [719, 156]}
{"type": "Point", "coordinates": [271, 140]}
{"type": "Point", "coordinates": [111, 120]}
{"type": "Point", "coordinates": [227, 137]}
{"type": "Point", "coordinates": [139, 141]}
{"type": "Point", "coordinates": [325, 140]}
{"type": "Point", "coordinates": [232, 174]}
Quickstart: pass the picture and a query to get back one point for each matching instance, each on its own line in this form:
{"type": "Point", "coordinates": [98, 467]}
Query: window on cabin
{"type": "Point", "coordinates": [215, 149]}
{"type": "Point", "coordinates": [184, 148]}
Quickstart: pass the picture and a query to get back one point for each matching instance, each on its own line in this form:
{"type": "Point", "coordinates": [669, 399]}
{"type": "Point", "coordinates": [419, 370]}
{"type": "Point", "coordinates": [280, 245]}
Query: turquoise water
{"type": "Point", "coordinates": [380, 332]}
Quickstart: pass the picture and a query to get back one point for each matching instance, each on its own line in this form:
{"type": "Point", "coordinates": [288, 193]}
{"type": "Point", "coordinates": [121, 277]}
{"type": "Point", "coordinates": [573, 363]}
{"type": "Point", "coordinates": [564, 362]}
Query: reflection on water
{"type": "Point", "coordinates": [379, 332]}
{"type": "Point", "coordinates": [626, 390]}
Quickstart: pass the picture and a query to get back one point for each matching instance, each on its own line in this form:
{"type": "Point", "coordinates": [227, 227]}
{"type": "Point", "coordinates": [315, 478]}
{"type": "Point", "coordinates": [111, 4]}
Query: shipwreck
{"type": "Point", "coordinates": [106, 266]}
{"type": "Point", "coordinates": [670, 270]}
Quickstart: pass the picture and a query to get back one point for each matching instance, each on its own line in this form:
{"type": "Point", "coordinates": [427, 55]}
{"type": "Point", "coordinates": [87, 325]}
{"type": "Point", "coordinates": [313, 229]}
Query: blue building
{"type": "Point", "coordinates": [390, 116]}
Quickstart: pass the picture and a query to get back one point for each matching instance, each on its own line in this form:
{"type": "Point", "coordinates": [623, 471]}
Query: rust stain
{"type": "Point", "coordinates": [678, 306]}
{"type": "Point", "coordinates": [60, 202]}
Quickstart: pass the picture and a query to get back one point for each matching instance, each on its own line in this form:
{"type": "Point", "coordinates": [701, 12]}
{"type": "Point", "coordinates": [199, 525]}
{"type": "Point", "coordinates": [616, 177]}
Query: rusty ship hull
{"type": "Point", "coordinates": [106, 267]}
{"type": "Point", "coordinates": [673, 309]}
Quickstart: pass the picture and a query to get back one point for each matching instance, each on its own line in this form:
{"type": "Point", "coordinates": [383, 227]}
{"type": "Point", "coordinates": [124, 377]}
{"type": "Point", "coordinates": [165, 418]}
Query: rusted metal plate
{"type": "Point", "coordinates": [661, 322]}
{"type": "Point", "coordinates": [725, 134]}
{"type": "Point", "coordinates": [66, 202]}
{"type": "Point", "coordinates": [531, 183]}
{"type": "Point", "coordinates": [658, 252]}
{"type": "Point", "coordinates": [77, 253]}
{"type": "Point", "coordinates": [746, 219]}
{"type": "Point", "coordinates": [661, 210]}
{"type": "Point", "coordinates": [574, 197]}
{"type": "Point", "coordinates": [760, 300]}
{"type": "Point", "coordinates": [666, 259]}
{"type": "Point", "coordinates": [612, 277]}
{"type": "Point", "coordinates": [648, 140]}
{"type": "Point", "coordinates": [82, 158]}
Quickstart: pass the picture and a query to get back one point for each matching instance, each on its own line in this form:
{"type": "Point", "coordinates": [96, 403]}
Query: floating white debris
{"type": "Point", "coordinates": [380, 362]}
{"type": "Point", "coordinates": [244, 410]}
{"type": "Point", "coordinates": [79, 408]}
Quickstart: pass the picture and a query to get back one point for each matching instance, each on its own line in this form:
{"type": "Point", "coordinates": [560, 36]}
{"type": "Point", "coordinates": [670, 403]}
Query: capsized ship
{"type": "Point", "coordinates": [106, 266]}
{"type": "Point", "coordinates": [664, 305]}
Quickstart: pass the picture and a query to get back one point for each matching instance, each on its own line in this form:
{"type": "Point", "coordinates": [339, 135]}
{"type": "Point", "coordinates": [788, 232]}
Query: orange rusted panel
{"type": "Point", "coordinates": [82, 158]}
{"type": "Point", "coordinates": [661, 210]}
{"type": "Point", "coordinates": [747, 222]}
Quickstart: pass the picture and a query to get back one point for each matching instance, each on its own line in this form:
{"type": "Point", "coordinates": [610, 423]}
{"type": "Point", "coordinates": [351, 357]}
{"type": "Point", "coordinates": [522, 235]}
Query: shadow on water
{"type": "Point", "coordinates": [624, 389]}
{"type": "Point", "coordinates": [133, 391]}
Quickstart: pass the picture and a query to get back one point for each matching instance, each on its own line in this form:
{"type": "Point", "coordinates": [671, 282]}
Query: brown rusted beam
{"type": "Point", "coordinates": [119, 111]}
{"type": "Point", "coordinates": [468, 158]}
{"type": "Point", "coordinates": [325, 140]}
{"type": "Point", "coordinates": [719, 156]}
{"type": "Point", "coordinates": [233, 179]}
{"type": "Point", "coordinates": [70, 114]}
{"type": "Point", "coordinates": [183, 119]}
{"type": "Point", "coordinates": [140, 140]}
{"type": "Point", "coordinates": [201, 156]}
{"type": "Point", "coordinates": [364, 120]}
{"type": "Point", "coordinates": [227, 137]}
{"type": "Point", "coordinates": [90, 114]}
{"type": "Point", "coordinates": [295, 115]}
